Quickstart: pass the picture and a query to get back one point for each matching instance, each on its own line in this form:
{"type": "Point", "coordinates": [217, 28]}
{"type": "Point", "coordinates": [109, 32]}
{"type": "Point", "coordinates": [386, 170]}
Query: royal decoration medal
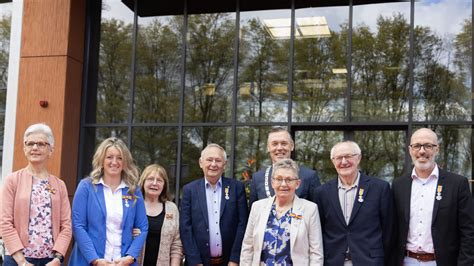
{"type": "Point", "coordinates": [361, 192]}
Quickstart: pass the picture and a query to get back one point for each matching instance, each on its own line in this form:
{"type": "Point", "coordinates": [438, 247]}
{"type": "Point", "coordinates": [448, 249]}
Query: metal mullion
{"type": "Point", "coordinates": [181, 101]}
{"type": "Point", "coordinates": [236, 84]}
{"type": "Point", "coordinates": [291, 65]}
{"type": "Point", "coordinates": [349, 135]}
{"type": "Point", "coordinates": [133, 70]}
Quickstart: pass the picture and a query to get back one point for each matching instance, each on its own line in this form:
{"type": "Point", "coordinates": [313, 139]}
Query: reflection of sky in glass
{"type": "Point", "coordinates": [443, 16]}
{"type": "Point", "coordinates": [117, 10]}
{"type": "Point", "coordinates": [5, 9]}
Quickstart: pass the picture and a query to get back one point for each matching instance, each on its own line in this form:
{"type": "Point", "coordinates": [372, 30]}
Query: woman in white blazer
{"type": "Point", "coordinates": [283, 229]}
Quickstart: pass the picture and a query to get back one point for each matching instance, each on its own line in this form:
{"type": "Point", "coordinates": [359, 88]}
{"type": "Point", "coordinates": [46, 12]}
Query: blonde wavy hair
{"type": "Point", "coordinates": [160, 170]}
{"type": "Point", "coordinates": [129, 172]}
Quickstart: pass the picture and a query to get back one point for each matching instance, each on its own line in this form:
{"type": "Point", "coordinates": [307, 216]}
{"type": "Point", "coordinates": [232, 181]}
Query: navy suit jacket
{"type": "Point", "coordinates": [369, 231]}
{"type": "Point", "coordinates": [194, 221]}
{"type": "Point", "coordinates": [309, 183]}
{"type": "Point", "coordinates": [452, 226]}
{"type": "Point", "coordinates": [89, 217]}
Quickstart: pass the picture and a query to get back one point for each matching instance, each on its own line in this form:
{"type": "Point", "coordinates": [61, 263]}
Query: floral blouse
{"type": "Point", "coordinates": [40, 229]}
{"type": "Point", "coordinates": [276, 241]}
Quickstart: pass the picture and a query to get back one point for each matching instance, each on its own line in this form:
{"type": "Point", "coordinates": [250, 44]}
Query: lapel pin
{"type": "Point", "coordinates": [361, 192]}
{"type": "Point", "coordinates": [226, 191]}
{"type": "Point", "coordinates": [438, 192]}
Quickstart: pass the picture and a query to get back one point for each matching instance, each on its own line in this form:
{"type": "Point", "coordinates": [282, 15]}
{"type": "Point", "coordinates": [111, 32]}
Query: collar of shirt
{"type": "Point", "coordinates": [341, 186]}
{"type": "Point", "coordinates": [434, 175]}
{"type": "Point", "coordinates": [218, 184]}
{"type": "Point", "coordinates": [120, 186]}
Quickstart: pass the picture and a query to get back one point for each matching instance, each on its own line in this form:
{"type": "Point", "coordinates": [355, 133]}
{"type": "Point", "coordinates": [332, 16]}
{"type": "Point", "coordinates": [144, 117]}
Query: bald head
{"type": "Point", "coordinates": [424, 133]}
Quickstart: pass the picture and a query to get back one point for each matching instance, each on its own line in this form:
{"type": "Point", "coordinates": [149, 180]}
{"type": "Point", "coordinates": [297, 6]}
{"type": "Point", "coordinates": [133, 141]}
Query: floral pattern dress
{"type": "Point", "coordinates": [40, 229]}
{"type": "Point", "coordinates": [276, 240]}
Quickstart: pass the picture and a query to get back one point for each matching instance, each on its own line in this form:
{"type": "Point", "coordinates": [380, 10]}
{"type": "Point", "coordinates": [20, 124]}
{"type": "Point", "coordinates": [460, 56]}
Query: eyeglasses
{"type": "Point", "coordinates": [39, 144]}
{"type": "Point", "coordinates": [426, 146]}
{"type": "Point", "coordinates": [289, 181]}
{"type": "Point", "coordinates": [339, 158]}
{"type": "Point", "coordinates": [214, 160]}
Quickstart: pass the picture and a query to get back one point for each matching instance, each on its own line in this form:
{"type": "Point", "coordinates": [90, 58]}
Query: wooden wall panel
{"type": "Point", "coordinates": [40, 78]}
{"type": "Point", "coordinates": [45, 27]}
{"type": "Point", "coordinates": [51, 69]}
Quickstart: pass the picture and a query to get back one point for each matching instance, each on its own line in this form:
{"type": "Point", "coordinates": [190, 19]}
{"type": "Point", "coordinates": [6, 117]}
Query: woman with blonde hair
{"type": "Point", "coordinates": [163, 244]}
{"type": "Point", "coordinates": [35, 217]}
{"type": "Point", "coordinates": [106, 207]}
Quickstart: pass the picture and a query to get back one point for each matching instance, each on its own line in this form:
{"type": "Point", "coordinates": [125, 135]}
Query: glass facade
{"type": "Point", "coordinates": [5, 25]}
{"type": "Point", "coordinates": [373, 73]}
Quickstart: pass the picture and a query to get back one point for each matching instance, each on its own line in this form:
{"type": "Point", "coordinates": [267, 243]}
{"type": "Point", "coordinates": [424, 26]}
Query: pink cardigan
{"type": "Point", "coordinates": [15, 212]}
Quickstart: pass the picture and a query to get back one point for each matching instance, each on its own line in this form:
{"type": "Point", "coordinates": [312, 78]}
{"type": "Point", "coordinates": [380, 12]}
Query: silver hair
{"type": "Point", "coordinates": [355, 147]}
{"type": "Point", "coordinates": [214, 145]}
{"type": "Point", "coordinates": [286, 164]}
{"type": "Point", "coordinates": [40, 128]}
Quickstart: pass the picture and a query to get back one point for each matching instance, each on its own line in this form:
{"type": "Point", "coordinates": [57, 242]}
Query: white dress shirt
{"type": "Point", "coordinates": [213, 200]}
{"type": "Point", "coordinates": [423, 193]}
{"type": "Point", "coordinates": [113, 224]}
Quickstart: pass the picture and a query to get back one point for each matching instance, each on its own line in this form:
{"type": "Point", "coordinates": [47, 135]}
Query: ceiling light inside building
{"type": "Point", "coordinates": [339, 71]}
{"type": "Point", "coordinates": [305, 27]}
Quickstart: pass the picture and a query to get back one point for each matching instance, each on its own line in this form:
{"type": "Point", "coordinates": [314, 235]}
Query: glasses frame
{"type": "Point", "coordinates": [426, 146]}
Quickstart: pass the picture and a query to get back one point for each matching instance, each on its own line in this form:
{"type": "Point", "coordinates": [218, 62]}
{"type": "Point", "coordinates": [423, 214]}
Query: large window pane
{"type": "Point", "coordinates": [263, 66]}
{"type": "Point", "coordinates": [320, 75]}
{"type": "Point", "coordinates": [152, 145]}
{"type": "Point", "coordinates": [383, 153]}
{"type": "Point", "coordinates": [313, 149]}
{"type": "Point", "coordinates": [113, 88]}
{"type": "Point", "coordinates": [443, 60]}
{"type": "Point", "coordinates": [5, 24]}
{"type": "Point", "coordinates": [380, 61]}
{"type": "Point", "coordinates": [158, 69]}
{"type": "Point", "coordinates": [194, 140]}
{"type": "Point", "coordinates": [250, 151]}
{"type": "Point", "coordinates": [209, 67]}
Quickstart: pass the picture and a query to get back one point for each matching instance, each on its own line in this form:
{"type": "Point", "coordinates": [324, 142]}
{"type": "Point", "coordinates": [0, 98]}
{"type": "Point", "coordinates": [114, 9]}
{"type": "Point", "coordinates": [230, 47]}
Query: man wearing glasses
{"type": "Point", "coordinates": [434, 209]}
{"type": "Point", "coordinates": [279, 146]}
{"type": "Point", "coordinates": [356, 212]}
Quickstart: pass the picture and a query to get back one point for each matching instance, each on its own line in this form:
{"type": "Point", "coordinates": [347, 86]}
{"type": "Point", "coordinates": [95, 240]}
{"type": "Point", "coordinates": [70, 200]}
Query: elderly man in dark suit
{"type": "Point", "coordinates": [356, 213]}
{"type": "Point", "coordinates": [213, 214]}
{"type": "Point", "coordinates": [435, 210]}
{"type": "Point", "coordinates": [279, 146]}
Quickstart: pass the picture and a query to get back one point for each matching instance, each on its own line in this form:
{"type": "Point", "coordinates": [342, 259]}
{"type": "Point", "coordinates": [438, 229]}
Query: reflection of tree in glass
{"type": "Point", "coordinates": [263, 64]}
{"type": "Point", "coordinates": [319, 93]}
{"type": "Point", "coordinates": [209, 67]}
{"type": "Point", "coordinates": [158, 71]}
{"type": "Point", "coordinates": [114, 72]}
{"type": "Point", "coordinates": [440, 90]}
{"type": "Point", "coordinates": [380, 70]}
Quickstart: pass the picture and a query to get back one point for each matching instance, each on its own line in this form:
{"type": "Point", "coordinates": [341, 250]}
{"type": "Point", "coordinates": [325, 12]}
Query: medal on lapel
{"type": "Point", "coordinates": [438, 192]}
{"type": "Point", "coordinates": [361, 192]}
{"type": "Point", "coordinates": [226, 191]}
{"type": "Point", "coordinates": [126, 198]}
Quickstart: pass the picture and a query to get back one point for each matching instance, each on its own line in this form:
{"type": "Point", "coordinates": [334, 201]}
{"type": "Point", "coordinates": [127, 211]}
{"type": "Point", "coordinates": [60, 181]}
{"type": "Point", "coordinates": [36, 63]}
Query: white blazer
{"type": "Point", "coordinates": [306, 242]}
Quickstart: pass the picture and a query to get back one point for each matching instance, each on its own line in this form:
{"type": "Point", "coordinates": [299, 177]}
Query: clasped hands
{"type": "Point", "coordinates": [123, 261]}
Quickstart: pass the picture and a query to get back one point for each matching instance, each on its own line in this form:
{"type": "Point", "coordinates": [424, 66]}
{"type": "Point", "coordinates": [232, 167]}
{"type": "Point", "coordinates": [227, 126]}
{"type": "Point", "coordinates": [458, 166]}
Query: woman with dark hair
{"type": "Point", "coordinates": [106, 207]}
{"type": "Point", "coordinates": [163, 244]}
{"type": "Point", "coordinates": [35, 216]}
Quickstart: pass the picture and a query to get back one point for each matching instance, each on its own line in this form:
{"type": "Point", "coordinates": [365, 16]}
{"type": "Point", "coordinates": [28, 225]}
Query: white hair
{"type": "Point", "coordinates": [214, 145]}
{"type": "Point", "coordinates": [355, 147]}
{"type": "Point", "coordinates": [40, 128]}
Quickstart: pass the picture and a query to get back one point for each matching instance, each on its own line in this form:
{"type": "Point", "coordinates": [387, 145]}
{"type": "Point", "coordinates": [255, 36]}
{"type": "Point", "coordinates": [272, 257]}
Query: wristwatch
{"type": "Point", "coordinates": [59, 257]}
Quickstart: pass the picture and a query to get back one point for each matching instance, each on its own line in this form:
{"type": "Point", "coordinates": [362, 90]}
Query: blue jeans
{"type": "Point", "coordinates": [9, 261]}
